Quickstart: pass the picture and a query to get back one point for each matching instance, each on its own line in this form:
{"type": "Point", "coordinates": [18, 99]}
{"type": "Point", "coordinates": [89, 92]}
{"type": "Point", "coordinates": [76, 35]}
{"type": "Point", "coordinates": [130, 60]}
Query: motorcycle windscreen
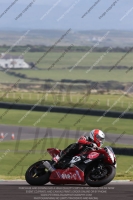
{"type": "Point", "coordinates": [93, 155]}
{"type": "Point", "coordinates": [53, 152]}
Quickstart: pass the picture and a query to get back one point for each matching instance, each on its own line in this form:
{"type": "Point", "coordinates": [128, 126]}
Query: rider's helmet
{"type": "Point", "coordinates": [97, 136]}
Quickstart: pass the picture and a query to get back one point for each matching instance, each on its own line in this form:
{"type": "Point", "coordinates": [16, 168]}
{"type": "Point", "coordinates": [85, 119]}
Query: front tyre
{"type": "Point", "coordinates": [99, 177]}
{"type": "Point", "coordinates": [37, 174]}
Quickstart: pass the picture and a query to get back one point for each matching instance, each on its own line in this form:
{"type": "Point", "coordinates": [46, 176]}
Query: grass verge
{"type": "Point", "coordinates": [114, 102]}
{"type": "Point", "coordinates": [64, 121]}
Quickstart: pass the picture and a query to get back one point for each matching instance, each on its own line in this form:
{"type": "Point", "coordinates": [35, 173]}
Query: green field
{"type": "Point", "coordinates": [5, 78]}
{"type": "Point", "coordinates": [10, 160]}
{"type": "Point", "coordinates": [69, 60]}
{"type": "Point", "coordinates": [63, 121]}
{"type": "Point", "coordinates": [57, 75]}
{"type": "Point", "coordinates": [94, 101]}
{"type": "Point", "coordinates": [93, 75]}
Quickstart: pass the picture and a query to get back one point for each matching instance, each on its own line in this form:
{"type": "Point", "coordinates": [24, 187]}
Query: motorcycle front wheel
{"type": "Point", "coordinates": [99, 177]}
{"type": "Point", "coordinates": [37, 174]}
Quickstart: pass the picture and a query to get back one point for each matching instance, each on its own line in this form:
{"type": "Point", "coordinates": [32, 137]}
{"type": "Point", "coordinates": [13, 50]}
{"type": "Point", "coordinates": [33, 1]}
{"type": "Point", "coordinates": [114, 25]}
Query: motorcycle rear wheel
{"type": "Point", "coordinates": [37, 174]}
{"type": "Point", "coordinates": [111, 171]}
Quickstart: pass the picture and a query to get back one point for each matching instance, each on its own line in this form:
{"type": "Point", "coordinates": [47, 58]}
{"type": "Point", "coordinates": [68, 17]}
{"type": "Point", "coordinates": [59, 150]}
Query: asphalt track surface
{"type": "Point", "coordinates": [22, 182]}
{"type": "Point", "coordinates": [26, 133]}
{"type": "Point", "coordinates": [15, 190]}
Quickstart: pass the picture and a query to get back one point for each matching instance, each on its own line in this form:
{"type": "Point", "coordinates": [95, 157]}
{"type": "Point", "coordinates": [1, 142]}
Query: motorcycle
{"type": "Point", "coordinates": [96, 167]}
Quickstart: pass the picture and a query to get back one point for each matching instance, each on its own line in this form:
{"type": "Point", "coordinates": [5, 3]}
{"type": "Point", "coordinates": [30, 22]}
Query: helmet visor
{"type": "Point", "coordinates": [100, 139]}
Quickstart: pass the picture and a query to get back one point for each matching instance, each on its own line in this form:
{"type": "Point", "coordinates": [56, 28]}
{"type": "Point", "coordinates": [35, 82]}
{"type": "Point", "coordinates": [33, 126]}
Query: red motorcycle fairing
{"type": "Point", "coordinates": [93, 155]}
{"type": "Point", "coordinates": [53, 152]}
{"type": "Point", "coordinates": [107, 157]}
{"type": "Point", "coordinates": [67, 176]}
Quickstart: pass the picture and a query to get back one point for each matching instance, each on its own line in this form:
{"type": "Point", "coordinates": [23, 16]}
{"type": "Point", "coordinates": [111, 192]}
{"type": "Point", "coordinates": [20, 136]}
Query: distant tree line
{"type": "Point", "coordinates": [43, 48]}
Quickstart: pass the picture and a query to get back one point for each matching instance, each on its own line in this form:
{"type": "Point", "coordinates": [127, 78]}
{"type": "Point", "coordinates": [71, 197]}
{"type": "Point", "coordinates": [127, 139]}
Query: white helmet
{"type": "Point", "coordinates": [97, 136]}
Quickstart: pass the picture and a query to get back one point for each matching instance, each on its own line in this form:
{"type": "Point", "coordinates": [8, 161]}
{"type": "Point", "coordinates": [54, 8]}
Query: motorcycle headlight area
{"type": "Point", "coordinates": [110, 152]}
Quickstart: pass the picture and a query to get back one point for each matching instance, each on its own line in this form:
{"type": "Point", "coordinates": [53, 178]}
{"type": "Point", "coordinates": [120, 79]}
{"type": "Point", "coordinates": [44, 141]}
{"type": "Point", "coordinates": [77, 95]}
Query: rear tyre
{"type": "Point", "coordinates": [95, 178]}
{"type": "Point", "coordinates": [37, 174]}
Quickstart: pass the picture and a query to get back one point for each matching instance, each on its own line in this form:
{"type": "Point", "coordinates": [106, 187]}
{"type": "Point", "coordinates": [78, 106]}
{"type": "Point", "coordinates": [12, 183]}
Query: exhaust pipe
{"type": "Point", "coordinates": [48, 166]}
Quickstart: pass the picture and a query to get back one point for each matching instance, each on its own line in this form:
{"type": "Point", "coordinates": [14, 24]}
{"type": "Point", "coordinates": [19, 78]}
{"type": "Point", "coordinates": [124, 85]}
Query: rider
{"type": "Point", "coordinates": [95, 140]}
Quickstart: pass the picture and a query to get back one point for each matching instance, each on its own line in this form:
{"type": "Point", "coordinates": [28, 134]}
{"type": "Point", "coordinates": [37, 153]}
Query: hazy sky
{"type": "Point", "coordinates": [65, 14]}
